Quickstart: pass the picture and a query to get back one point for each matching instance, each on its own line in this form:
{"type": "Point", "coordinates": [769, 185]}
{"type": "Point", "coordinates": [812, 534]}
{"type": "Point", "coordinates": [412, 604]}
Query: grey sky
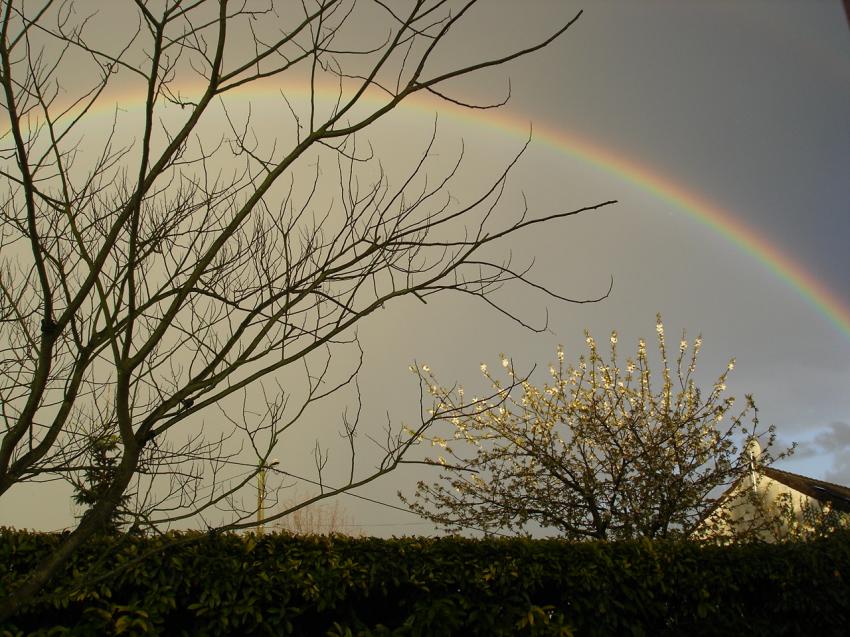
{"type": "Point", "coordinates": [745, 104]}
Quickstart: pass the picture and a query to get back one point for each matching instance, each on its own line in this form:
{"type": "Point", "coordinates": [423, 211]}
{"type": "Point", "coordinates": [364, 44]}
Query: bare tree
{"type": "Point", "coordinates": [150, 282]}
{"type": "Point", "coordinates": [598, 452]}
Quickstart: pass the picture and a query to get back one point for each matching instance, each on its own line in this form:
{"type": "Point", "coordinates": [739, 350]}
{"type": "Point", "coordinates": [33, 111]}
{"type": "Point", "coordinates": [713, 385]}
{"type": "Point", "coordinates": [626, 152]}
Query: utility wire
{"type": "Point", "coordinates": [348, 493]}
{"type": "Point", "coordinates": [356, 495]}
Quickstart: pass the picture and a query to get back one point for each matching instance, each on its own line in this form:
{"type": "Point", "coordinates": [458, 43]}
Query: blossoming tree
{"type": "Point", "coordinates": [600, 451]}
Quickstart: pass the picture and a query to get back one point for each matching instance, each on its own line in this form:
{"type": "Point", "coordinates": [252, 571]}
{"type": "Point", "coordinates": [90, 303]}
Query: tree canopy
{"type": "Point", "coordinates": [603, 450]}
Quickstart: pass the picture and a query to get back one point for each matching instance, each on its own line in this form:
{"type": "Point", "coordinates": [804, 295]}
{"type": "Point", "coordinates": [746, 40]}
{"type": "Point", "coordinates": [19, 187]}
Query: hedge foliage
{"type": "Point", "coordinates": [197, 584]}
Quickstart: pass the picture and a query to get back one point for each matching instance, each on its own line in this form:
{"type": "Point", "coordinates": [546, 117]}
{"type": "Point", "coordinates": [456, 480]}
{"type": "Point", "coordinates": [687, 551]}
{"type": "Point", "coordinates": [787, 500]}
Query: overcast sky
{"type": "Point", "coordinates": [744, 105]}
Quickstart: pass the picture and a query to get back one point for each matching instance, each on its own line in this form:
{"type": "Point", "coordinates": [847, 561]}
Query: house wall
{"type": "Point", "coordinates": [758, 505]}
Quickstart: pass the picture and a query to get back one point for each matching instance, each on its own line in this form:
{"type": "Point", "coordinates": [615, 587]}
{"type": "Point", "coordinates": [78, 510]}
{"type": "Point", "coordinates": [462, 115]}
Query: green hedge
{"type": "Point", "coordinates": [198, 584]}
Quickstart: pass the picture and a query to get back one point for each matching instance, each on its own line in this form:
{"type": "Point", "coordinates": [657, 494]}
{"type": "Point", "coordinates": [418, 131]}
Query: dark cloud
{"type": "Point", "coordinates": [839, 473]}
{"type": "Point", "coordinates": [832, 442]}
{"type": "Point", "coordinates": [835, 438]}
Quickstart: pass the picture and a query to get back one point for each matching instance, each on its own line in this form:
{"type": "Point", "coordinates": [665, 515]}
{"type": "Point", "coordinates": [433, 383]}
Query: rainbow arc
{"type": "Point", "coordinates": [721, 221]}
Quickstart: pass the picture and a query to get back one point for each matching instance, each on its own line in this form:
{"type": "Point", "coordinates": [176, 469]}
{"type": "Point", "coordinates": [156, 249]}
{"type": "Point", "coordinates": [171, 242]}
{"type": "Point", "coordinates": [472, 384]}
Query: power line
{"type": "Point", "coordinates": [357, 525]}
{"type": "Point", "coordinates": [343, 492]}
{"type": "Point", "coordinates": [357, 495]}
{"type": "Point", "coordinates": [320, 484]}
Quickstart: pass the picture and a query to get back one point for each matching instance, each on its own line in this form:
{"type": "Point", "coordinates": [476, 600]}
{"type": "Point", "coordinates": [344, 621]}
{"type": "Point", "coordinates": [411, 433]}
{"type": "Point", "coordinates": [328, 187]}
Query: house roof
{"type": "Point", "coordinates": [820, 490]}
{"type": "Point", "coordinates": [837, 495]}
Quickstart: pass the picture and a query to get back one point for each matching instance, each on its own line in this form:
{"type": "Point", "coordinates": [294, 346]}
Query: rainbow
{"type": "Point", "coordinates": [722, 222]}
{"type": "Point", "coordinates": [706, 213]}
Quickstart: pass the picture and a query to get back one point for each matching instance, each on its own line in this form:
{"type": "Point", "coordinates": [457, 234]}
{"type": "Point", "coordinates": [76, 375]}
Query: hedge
{"type": "Point", "coordinates": [213, 584]}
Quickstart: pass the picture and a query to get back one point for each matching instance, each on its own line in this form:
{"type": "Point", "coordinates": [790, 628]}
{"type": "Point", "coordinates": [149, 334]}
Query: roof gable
{"type": "Point", "coordinates": [819, 490]}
